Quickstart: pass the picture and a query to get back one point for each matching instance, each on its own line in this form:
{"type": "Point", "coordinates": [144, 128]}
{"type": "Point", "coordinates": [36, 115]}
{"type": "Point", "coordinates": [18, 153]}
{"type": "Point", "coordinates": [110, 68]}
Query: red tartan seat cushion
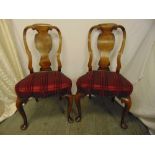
{"type": "Point", "coordinates": [42, 84]}
{"type": "Point", "coordinates": [104, 83]}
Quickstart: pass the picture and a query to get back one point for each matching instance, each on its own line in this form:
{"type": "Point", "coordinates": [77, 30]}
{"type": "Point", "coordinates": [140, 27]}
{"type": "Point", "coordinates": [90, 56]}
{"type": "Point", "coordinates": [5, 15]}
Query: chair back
{"type": "Point", "coordinates": [105, 44]}
{"type": "Point", "coordinates": [43, 43]}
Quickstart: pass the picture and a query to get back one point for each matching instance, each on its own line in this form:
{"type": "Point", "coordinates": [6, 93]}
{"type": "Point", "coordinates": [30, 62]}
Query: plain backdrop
{"type": "Point", "coordinates": [74, 57]}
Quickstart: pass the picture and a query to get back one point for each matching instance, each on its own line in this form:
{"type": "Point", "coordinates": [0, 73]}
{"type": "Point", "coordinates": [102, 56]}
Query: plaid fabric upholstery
{"type": "Point", "coordinates": [42, 84]}
{"type": "Point", "coordinates": [104, 83]}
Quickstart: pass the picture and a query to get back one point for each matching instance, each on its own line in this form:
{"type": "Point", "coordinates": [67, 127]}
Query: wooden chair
{"type": "Point", "coordinates": [45, 82]}
{"type": "Point", "coordinates": [103, 82]}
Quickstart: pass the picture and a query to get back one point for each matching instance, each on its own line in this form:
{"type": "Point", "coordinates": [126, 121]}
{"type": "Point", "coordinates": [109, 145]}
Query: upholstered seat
{"type": "Point", "coordinates": [104, 83]}
{"type": "Point", "coordinates": [43, 84]}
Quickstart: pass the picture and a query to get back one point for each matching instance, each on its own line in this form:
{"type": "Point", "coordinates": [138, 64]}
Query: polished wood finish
{"type": "Point", "coordinates": [43, 43]}
{"type": "Point", "coordinates": [69, 109]}
{"type": "Point", "coordinates": [105, 44]}
{"type": "Point", "coordinates": [78, 96]}
{"type": "Point", "coordinates": [19, 105]}
{"type": "Point", "coordinates": [127, 102]}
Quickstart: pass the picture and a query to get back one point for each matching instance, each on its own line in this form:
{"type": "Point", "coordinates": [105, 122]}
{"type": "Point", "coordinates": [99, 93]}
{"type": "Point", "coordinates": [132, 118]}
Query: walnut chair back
{"type": "Point", "coordinates": [43, 43]}
{"type": "Point", "coordinates": [105, 44]}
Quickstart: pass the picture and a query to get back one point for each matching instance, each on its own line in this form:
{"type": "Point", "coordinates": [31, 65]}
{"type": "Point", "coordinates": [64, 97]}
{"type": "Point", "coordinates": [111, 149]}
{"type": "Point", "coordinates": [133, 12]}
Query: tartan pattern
{"type": "Point", "coordinates": [104, 83]}
{"type": "Point", "coordinates": [43, 84]}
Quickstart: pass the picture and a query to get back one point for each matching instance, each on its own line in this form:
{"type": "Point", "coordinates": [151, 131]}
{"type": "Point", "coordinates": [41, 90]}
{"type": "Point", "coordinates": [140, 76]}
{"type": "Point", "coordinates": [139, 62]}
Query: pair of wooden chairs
{"type": "Point", "coordinates": [101, 82]}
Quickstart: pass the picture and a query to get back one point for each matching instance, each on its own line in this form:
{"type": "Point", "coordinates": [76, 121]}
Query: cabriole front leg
{"type": "Point", "coordinates": [78, 105]}
{"type": "Point", "coordinates": [69, 108]}
{"type": "Point", "coordinates": [19, 105]}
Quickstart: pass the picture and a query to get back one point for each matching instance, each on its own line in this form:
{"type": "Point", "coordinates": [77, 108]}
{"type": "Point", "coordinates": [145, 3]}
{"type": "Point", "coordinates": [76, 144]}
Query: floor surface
{"type": "Point", "coordinates": [99, 116]}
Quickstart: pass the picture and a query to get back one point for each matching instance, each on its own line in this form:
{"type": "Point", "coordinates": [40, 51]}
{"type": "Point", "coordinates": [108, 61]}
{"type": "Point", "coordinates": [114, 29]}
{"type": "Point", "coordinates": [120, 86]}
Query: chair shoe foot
{"type": "Point", "coordinates": [78, 119]}
{"type": "Point", "coordinates": [70, 119]}
{"type": "Point", "coordinates": [124, 126]}
{"type": "Point", "coordinates": [24, 126]}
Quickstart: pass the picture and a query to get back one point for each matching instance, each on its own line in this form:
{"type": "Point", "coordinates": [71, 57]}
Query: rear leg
{"type": "Point", "coordinates": [127, 102]}
{"type": "Point", "coordinates": [36, 98]}
{"type": "Point", "coordinates": [90, 96]}
{"type": "Point", "coordinates": [113, 99]}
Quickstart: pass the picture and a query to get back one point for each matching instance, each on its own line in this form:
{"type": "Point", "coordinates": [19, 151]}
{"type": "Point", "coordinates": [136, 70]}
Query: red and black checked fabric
{"type": "Point", "coordinates": [42, 84]}
{"type": "Point", "coordinates": [104, 83]}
